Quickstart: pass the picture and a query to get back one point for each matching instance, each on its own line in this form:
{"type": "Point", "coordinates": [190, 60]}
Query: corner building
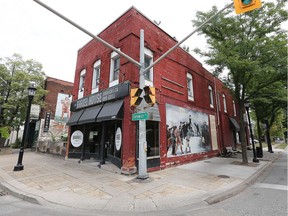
{"type": "Point", "coordinates": [194, 117]}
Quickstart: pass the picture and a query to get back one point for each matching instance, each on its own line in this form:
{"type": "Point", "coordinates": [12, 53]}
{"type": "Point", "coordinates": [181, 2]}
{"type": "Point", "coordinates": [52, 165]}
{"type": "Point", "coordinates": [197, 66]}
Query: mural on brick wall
{"type": "Point", "coordinates": [187, 131]}
{"type": "Point", "coordinates": [62, 112]}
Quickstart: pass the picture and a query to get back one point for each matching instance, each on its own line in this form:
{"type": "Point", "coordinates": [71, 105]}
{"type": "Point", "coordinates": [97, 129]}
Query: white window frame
{"type": "Point", "coordinates": [149, 54]}
{"type": "Point", "coordinates": [211, 98]}
{"type": "Point", "coordinates": [224, 103]}
{"type": "Point", "coordinates": [81, 83]}
{"type": "Point", "coordinates": [112, 80]}
{"type": "Point", "coordinates": [96, 76]}
{"type": "Point", "coordinates": [190, 90]}
{"type": "Point", "coordinates": [234, 108]}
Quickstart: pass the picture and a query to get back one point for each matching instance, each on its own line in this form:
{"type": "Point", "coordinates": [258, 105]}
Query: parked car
{"type": "Point", "coordinates": [255, 141]}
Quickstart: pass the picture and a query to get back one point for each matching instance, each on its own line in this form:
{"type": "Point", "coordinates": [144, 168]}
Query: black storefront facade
{"type": "Point", "coordinates": [99, 118]}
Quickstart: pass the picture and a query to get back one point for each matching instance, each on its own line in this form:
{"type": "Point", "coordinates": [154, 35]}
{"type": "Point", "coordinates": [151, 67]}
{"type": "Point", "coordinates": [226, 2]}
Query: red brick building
{"type": "Point", "coordinates": [194, 117]}
{"type": "Point", "coordinates": [55, 114]}
{"type": "Point", "coordinates": [54, 87]}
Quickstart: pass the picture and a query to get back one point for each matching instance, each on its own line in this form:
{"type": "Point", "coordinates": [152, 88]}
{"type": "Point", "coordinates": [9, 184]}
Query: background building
{"type": "Point", "coordinates": [51, 129]}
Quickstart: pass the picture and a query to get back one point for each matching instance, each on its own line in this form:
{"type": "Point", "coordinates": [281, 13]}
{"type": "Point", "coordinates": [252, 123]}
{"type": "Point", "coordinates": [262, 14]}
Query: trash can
{"type": "Point", "coordinates": [259, 152]}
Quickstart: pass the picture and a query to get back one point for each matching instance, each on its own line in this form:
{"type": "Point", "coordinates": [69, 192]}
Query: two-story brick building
{"type": "Point", "coordinates": [194, 117]}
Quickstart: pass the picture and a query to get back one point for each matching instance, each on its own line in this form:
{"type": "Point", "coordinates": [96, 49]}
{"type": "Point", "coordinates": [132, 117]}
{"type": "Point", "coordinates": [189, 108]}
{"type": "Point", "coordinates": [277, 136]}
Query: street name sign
{"type": "Point", "coordinates": [139, 116]}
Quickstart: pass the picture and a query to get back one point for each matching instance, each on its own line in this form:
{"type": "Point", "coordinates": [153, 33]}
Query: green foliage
{"type": "Point", "coordinates": [17, 75]}
{"type": "Point", "coordinates": [17, 144]}
{"type": "Point", "coordinates": [64, 137]}
{"type": "Point", "coordinates": [5, 132]}
{"type": "Point", "coordinates": [251, 47]}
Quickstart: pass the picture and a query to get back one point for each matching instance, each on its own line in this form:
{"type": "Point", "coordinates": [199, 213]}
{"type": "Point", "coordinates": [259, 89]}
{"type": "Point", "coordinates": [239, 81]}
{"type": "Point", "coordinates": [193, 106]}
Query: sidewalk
{"type": "Point", "coordinates": [49, 180]}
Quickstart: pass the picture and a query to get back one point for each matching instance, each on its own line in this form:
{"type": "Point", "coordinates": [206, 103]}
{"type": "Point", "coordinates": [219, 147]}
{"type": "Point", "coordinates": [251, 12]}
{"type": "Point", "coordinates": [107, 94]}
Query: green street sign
{"type": "Point", "coordinates": [139, 116]}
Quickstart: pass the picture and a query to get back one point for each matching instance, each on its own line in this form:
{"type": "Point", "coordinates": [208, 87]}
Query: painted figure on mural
{"type": "Point", "coordinates": [186, 131]}
{"type": "Point", "coordinates": [205, 135]}
{"type": "Point", "coordinates": [168, 137]}
{"type": "Point", "coordinates": [65, 108]}
{"type": "Point", "coordinates": [178, 139]}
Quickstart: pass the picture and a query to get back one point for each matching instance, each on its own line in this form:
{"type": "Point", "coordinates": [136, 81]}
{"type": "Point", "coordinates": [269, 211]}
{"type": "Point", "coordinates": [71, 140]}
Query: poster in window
{"type": "Point", "coordinates": [188, 131]}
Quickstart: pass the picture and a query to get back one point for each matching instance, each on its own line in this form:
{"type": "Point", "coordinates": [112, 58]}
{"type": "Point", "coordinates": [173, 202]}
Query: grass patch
{"type": "Point", "coordinates": [282, 145]}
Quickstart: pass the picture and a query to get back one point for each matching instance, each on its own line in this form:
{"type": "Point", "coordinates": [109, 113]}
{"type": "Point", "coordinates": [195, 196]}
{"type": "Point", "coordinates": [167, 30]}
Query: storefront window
{"type": "Point", "coordinates": [152, 137]}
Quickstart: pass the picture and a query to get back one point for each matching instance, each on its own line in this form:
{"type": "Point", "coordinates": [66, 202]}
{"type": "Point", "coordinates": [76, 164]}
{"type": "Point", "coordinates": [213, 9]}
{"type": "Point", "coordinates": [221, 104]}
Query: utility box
{"type": "Point", "coordinates": [259, 152]}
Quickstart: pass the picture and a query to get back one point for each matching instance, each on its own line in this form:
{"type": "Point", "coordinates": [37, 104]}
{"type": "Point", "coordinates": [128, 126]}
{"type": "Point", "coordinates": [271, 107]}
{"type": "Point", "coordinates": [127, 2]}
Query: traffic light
{"type": "Point", "coordinates": [242, 6]}
{"type": "Point", "coordinates": [149, 95]}
{"type": "Point", "coordinates": [135, 98]}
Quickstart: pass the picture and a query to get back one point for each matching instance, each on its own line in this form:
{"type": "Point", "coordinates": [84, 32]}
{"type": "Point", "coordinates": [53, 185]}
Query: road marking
{"type": "Point", "coordinates": [271, 186]}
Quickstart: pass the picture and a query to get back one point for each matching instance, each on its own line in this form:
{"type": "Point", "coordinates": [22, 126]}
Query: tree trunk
{"type": "Point", "coordinates": [268, 136]}
{"type": "Point", "coordinates": [243, 135]}
{"type": "Point", "coordinates": [259, 132]}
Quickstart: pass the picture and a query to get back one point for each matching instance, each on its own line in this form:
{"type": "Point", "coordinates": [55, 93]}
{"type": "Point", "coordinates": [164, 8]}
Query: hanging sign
{"type": "Point", "coordinates": [47, 121]}
{"type": "Point", "coordinates": [118, 139]}
{"type": "Point", "coordinates": [77, 138]}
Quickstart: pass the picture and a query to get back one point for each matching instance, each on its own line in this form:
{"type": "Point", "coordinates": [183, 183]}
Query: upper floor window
{"type": "Point", "coordinates": [190, 87]}
{"type": "Point", "coordinates": [224, 103]}
{"type": "Point", "coordinates": [234, 108]}
{"type": "Point", "coordinates": [211, 99]}
{"type": "Point", "coordinates": [114, 69]}
{"type": "Point", "coordinates": [96, 77]}
{"type": "Point", "coordinates": [82, 83]}
{"type": "Point", "coordinates": [148, 60]}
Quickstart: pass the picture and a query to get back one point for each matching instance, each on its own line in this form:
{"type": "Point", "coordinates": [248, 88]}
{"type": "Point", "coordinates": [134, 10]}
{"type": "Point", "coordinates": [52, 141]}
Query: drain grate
{"type": "Point", "coordinates": [223, 176]}
{"type": "Point", "coordinates": [3, 193]}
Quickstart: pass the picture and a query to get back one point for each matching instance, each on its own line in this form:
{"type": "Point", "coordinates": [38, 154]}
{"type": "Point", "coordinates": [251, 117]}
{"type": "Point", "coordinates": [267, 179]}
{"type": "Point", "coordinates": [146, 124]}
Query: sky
{"type": "Point", "coordinates": [34, 32]}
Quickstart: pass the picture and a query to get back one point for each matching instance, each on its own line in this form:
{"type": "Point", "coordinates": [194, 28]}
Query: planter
{"type": "Point", "coordinates": [5, 151]}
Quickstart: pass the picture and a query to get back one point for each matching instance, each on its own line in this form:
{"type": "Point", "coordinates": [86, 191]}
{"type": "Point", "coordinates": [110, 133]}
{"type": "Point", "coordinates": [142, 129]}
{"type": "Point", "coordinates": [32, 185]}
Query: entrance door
{"type": "Point", "coordinates": [112, 153]}
{"type": "Point", "coordinates": [92, 149]}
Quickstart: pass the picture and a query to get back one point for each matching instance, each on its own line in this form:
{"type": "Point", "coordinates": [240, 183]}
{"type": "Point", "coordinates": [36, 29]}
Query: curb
{"type": "Point", "coordinates": [14, 192]}
{"type": "Point", "coordinates": [241, 187]}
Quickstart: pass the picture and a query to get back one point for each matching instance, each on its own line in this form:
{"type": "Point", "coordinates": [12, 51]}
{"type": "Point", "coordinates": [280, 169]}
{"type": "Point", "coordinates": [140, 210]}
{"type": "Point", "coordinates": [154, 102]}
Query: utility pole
{"type": "Point", "coordinates": [142, 164]}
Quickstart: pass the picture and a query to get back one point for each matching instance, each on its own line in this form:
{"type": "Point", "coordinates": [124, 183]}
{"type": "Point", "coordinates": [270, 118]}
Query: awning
{"type": "Point", "coordinates": [89, 115]}
{"type": "Point", "coordinates": [111, 111]}
{"type": "Point", "coordinates": [235, 124]}
{"type": "Point", "coordinates": [73, 120]}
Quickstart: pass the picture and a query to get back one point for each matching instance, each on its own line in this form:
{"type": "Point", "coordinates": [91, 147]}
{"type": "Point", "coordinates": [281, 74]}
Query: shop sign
{"type": "Point", "coordinates": [112, 93]}
{"type": "Point", "coordinates": [139, 116]}
{"type": "Point", "coordinates": [77, 138]}
{"type": "Point", "coordinates": [34, 111]}
{"type": "Point", "coordinates": [118, 139]}
{"type": "Point", "coordinates": [47, 121]}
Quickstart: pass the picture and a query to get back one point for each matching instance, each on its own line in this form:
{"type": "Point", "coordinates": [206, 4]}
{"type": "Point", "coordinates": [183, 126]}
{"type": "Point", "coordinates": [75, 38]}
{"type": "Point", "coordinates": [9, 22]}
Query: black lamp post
{"type": "Point", "coordinates": [31, 93]}
{"type": "Point", "coordinates": [247, 105]}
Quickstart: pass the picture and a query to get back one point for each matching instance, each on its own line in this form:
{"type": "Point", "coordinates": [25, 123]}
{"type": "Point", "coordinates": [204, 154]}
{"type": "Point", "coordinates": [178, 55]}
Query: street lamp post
{"type": "Point", "coordinates": [247, 105]}
{"type": "Point", "coordinates": [31, 93]}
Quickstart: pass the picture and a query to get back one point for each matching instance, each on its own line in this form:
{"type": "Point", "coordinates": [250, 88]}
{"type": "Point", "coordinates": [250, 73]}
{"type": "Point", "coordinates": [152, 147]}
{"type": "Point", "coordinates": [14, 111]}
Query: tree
{"type": "Point", "coordinates": [269, 106]}
{"type": "Point", "coordinates": [16, 75]}
{"type": "Point", "coordinates": [251, 48]}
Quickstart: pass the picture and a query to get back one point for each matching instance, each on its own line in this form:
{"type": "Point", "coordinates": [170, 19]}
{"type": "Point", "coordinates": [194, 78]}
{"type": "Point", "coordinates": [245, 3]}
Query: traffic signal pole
{"type": "Point", "coordinates": [142, 164]}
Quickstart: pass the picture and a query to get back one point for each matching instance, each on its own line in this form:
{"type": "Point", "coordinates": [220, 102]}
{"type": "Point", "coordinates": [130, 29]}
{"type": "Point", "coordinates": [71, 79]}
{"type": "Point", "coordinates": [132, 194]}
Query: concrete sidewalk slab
{"type": "Point", "coordinates": [50, 180]}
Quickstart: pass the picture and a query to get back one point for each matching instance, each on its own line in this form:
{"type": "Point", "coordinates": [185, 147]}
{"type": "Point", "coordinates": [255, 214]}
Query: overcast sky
{"type": "Point", "coordinates": [34, 32]}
